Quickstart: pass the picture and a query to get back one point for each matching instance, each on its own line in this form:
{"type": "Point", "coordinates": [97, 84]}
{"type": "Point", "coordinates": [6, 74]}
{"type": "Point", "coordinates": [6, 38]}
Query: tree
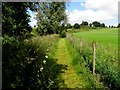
{"type": "Point", "coordinates": [50, 17]}
{"type": "Point", "coordinates": [96, 24]}
{"type": "Point", "coordinates": [69, 26]}
{"type": "Point", "coordinates": [118, 25]}
{"type": "Point", "coordinates": [102, 25]}
{"type": "Point", "coordinates": [84, 23]}
{"type": "Point", "coordinates": [15, 18]}
{"type": "Point", "coordinates": [76, 26]}
{"type": "Point", "coordinates": [14, 29]}
{"type": "Point", "coordinates": [90, 24]}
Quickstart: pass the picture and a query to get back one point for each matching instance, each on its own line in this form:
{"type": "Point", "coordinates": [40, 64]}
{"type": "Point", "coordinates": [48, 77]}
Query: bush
{"type": "Point", "coordinates": [63, 34]}
{"type": "Point", "coordinates": [76, 26]}
{"type": "Point", "coordinates": [27, 66]}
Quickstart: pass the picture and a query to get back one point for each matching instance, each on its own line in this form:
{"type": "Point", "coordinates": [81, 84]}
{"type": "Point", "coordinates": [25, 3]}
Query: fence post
{"type": "Point", "coordinates": [94, 56]}
{"type": "Point", "coordinates": [81, 44]}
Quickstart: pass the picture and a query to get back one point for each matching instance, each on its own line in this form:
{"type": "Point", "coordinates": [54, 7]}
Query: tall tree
{"type": "Point", "coordinates": [69, 26]}
{"type": "Point", "coordinates": [84, 23]}
{"type": "Point", "coordinates": [51, 16]}
{"type": "Point", "coordinates": [76, 26]}
{"type": "Point", "coordinates": [118, 25]}
{"type": "Point", "coordinates": [102, 25]}
{"type": "Point", "coordinates": [96, 24]}
{"type": "Point", "coordinates": [14, 27]}
{"type": "Point", "coordinates": [15, 18]}
{"type": "Point", "coordinates": [90, 24]}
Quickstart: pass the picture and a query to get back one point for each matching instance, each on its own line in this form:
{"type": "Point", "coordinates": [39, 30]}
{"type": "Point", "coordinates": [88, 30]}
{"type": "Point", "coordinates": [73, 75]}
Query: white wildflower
{"type": "Point", "coordinates": [37, 49]}
{"type": "Point", "coordinates": [38, 75]}
{"type": "Point", "coordinates": [47, 50]}
{"type": "Point", "coordinates": [41, 69]}
{"type": "Point", "coordinates": [46, 56]}
{"type": "Point", "coordinates": [44, 61]}
{"type": "Point", "coordinates": [32, 59]}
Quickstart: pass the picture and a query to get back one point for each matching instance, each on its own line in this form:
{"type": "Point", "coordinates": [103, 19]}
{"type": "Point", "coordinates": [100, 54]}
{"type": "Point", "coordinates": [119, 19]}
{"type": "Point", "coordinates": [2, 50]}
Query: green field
{"type": "Point", "coordinates": [106, 54]}
{"type": "Point", "coordinates": [105, 36]}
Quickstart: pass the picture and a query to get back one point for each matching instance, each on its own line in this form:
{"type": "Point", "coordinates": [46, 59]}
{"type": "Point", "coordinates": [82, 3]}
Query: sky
{"type": "Point", "coordinates": [104, 11]}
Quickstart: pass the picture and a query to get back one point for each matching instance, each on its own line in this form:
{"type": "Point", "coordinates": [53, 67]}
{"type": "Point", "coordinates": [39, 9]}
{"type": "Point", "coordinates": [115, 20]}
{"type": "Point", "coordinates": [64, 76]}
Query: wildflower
{"type": "Point", "coordinates": [44, 61]}
{"type": "Point", "coordinates": [21, 64]}
{"type": "Point", "coordinates": [38, 71]}
{"type": "Point", "coordinates": [47, 50]}
{"type": "Point", "coordinates": [46, 56]}
{"type": "Point", "coordinates": [41, 69]}
{"type": "Point", "coordinates": [34, 52]}
{"type": "Point", "coordinates": [32, 59]}
{"type": "Point", "coordinates": [38, 75]}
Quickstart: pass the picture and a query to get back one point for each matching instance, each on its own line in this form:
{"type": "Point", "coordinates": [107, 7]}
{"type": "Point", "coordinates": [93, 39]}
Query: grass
{"type": "Point", "coordinates": [63, 57]}
{"type": "Point", "coordinates": [85, 75]}
{"type": "Point", "coordinates": [65, 54]}
{"type": "Point", "coordinates": [104, 36]}
{"type": "Point", "coordinates": [78, 73]}
{"type": "Point", "coordinates": [106, 53]}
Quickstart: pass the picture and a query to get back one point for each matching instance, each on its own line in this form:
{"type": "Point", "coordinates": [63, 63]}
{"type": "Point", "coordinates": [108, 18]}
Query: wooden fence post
{"type": "Point", "coordinates": [81, 45]}
{"type": "Point", "coordinates": [94, 56]}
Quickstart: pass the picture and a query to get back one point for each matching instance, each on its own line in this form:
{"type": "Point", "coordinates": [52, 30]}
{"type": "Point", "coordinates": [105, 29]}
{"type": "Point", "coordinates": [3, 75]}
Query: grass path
{"type": "Point", "coordinates": [63, 57]}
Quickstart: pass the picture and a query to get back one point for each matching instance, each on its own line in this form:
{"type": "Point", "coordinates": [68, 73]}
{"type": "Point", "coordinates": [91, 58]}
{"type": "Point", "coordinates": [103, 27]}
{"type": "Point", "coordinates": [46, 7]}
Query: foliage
{"type": "Point", "coordinates": [118, 25]}
{"type": "Point", "coordinates": [15, 18]}
{"type": "Point", "coordinates": [25, 60]}
{"type": "Point", "coordinates": [102, 25]}
{"type": "Point", "coordinates": [63, 34]}
{"type": "Point", "coordinates": [84, 23]}
{"type": "Point", "coordinates": [26, 64]}
{"type": "Point", "coordinates": [90, 24]}
{"type": "Point", "coordinates": [69, 26]}
{"type": "Point", "coordinates": [76, 26]}
{"type": "Point", "coordinates": [50, 17]}
{"type": "Point", "coordinates": [96, 24]}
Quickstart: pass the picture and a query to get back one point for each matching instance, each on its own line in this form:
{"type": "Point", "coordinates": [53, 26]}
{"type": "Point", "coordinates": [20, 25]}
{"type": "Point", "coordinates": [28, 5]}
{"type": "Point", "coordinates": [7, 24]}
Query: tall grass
{"type": "Point", "coordinates": [27, 64]}
{"type": "Point", "coordinates": [79, 63]}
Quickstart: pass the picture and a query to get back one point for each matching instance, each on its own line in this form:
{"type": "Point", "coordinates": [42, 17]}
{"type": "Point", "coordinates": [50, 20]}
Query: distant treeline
{"type": "Point", "coordinates": [93, 24]}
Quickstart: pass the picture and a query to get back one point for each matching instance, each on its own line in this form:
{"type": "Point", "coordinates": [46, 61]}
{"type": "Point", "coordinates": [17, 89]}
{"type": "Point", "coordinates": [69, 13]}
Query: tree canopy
{"type": "Point", "coordinates": [15, 18]}
{"type": "Point", "coordinates": [76, 26]}
{"type": "Point", "coordinates": [69, 26]}
{"type": "Point", "coordinates": [102, 25]}
{"type": "Point", "coordinates": [118, 25]}
{"type": "Point", "coordinates": [96, 24]}
{"type": "Point", "coordinates": [84, 23]}
{"type": "Point", "coordinates": [51, 16]}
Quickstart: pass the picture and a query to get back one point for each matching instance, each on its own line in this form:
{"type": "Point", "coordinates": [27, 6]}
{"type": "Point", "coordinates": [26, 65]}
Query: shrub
{"type": "Point", "coordinates": [63, 34]}
{"type": "Point", "coordinates": [76, 26]}
{"type": "Point", "coordinates": [27, 66]}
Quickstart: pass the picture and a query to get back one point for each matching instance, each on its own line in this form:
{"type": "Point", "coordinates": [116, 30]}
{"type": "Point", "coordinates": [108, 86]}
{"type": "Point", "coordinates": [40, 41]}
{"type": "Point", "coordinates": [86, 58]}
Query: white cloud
{"type": "Point", "coordinates": [95, 10]}
{"type": "Point", "coordinates": [110, 6]}
{"type": "Point", "coordinates": [90, 15]}
{"type": "Point", "coordinates": [105, 11]}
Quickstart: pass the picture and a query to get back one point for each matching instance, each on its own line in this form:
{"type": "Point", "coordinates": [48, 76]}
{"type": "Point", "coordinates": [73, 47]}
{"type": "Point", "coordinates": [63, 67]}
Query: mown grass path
{"type": "Point", "coordinates": [63, 57]}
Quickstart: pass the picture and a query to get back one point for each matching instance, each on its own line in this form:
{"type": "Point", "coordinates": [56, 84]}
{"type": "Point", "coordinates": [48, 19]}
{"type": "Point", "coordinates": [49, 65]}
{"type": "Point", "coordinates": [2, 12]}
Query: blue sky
{"type": "Point", "coordinates": [104, 11]}
{"type": "Point", "coordinates": [74, 5]}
